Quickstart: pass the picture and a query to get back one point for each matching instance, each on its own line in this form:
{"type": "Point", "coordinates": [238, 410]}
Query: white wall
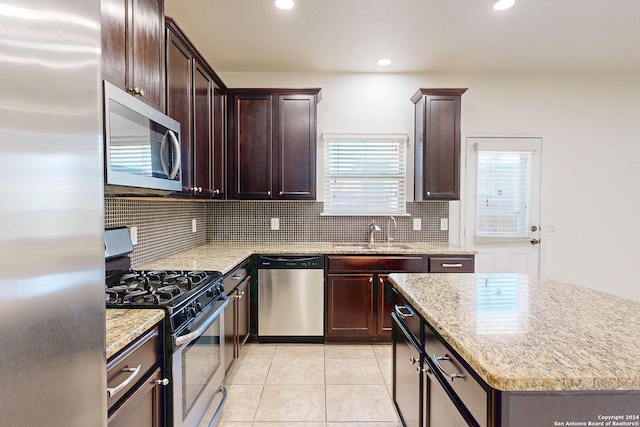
{"type": "Point", "coordinates": [590, 125]}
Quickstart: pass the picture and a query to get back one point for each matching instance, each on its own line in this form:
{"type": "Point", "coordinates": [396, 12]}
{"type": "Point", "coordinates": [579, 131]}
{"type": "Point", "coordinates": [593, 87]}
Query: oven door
{"type": "Point", "coordinates": [198, 367]}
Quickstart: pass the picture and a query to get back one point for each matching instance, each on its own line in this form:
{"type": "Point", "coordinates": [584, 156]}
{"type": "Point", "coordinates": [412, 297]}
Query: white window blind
{"type": "Point", "coordinates": [503, 193]}
{"type": "Point", "coordinates": [365, 174]}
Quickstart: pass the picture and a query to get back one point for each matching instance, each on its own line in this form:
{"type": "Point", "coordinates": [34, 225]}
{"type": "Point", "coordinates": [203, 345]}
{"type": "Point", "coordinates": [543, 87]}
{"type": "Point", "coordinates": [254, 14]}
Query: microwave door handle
{"type": "Point", "coordinates": [165, 162]}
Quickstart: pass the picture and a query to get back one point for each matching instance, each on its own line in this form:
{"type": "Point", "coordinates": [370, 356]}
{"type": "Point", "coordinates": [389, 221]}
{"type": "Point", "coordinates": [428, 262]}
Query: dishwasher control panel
{"type": "Point", "coordinates": [290, 262]}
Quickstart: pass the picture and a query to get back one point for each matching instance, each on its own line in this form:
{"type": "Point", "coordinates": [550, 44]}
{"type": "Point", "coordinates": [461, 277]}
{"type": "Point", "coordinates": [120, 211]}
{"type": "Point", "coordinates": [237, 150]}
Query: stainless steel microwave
{"type": "Point", "coordinates": [142, 145]}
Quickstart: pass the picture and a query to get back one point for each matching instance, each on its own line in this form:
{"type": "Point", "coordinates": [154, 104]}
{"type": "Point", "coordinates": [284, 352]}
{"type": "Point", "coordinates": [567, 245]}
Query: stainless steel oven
{"type": "Point", "coordinates": [194, 351]}
{"type": "Point", "coordinates": [198, 368]}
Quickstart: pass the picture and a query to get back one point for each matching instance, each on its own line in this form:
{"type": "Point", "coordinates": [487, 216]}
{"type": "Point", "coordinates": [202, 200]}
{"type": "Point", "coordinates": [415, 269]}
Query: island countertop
{"type": "Point", "coordinates": [525, 334]}
{"type": "Point", "coordinates": [225, 256]}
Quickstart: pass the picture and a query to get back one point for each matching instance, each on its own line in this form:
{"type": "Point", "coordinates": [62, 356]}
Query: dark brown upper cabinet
{"type": "Point", "coordinates": [196, 98]}
{"type": "Point", "coordinates": [437, 142]}
{"type": "Point", "coordinates": [133, 48]}
{"type": "Point", "coordinates": [272, 144]}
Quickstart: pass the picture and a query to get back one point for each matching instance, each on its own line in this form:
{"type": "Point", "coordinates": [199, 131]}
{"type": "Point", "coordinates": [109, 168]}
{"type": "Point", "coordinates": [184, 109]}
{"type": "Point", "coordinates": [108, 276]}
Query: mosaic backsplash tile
{"type": "Point", "coordinates": [239, 221]}
{"type": "Point", "coordinates": [165, 225]}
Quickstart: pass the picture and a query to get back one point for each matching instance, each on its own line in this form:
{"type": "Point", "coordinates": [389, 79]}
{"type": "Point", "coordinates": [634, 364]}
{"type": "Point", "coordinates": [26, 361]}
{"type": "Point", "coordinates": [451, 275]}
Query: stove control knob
{"type": "Point", "coordinates": [198, 306]}
{"type": "Point", "coordinates": [193, 311]}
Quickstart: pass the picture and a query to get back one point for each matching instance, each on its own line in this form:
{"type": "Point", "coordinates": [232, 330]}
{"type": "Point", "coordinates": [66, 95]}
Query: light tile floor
{"type": "Point", "coordinates": [310, 385]}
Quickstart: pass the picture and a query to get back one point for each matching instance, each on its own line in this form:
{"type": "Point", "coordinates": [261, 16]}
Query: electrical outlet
{"type": "Point", "coordinates": [444, 224]}
{"type": "Point", "coordinates": [133, 232]}
{"type": "Point", "coordinates": [194, 226]}
{"type": "Point", "coordinates": [417, 224]}
{"type": "Point", "coordinates": [275, 223]}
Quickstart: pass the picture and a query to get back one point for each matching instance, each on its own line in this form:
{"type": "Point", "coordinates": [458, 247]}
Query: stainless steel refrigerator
{"type": "Point", "coordinates": [52, 325]}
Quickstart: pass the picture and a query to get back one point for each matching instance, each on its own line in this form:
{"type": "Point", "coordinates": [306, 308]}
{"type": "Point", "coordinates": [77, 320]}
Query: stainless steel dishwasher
{"type": "Point", "coordinates": [290, 298]}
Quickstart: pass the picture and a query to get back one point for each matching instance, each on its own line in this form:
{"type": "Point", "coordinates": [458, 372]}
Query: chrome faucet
{"type": "Point", "coordinates": [395, 224]}
{"type": "Point", "coordinates": [372, 228]}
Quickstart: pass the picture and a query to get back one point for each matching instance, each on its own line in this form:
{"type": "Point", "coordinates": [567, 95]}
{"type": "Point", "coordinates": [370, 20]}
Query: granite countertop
{"type": "Point", "coordinates": [125, 325]}
{"type": "Point", "coordinates": [225, 256]}
{"type": "Point", "coordinates": [525, 334]}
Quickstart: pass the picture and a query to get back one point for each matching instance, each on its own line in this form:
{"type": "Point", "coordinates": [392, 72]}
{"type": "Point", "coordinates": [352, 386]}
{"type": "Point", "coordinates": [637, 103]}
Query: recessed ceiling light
{"type": "Point", "coordinates": [284, 4]}
{"type": "Point", "coordinates": [503, 4]}
{"type": "Point", "coordinates": [384, 62]}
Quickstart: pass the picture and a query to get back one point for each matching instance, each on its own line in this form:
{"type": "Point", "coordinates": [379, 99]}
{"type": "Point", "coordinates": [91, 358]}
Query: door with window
{"type": "Point", "coordinates": [503, 204]}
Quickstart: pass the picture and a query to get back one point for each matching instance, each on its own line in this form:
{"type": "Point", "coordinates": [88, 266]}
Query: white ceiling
{"type": "Point", "coordinates": [419, 35]}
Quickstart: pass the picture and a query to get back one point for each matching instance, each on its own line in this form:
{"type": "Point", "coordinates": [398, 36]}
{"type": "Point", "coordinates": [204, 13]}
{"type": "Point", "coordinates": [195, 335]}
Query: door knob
{"type": "Point", "coordinates": [534, 228]}
{"type": "Point", "coordinates": [535, 241]}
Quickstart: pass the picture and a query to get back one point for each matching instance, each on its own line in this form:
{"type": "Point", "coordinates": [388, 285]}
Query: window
{"type": "Point", "coordinates": [503, 192]}
{"type": "Point", "coordinates": [365, 174]}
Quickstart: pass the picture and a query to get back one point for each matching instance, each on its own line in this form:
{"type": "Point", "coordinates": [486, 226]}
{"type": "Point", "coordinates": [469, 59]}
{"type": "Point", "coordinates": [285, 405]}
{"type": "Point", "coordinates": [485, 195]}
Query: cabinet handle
{"type": "Point", "coordinates": [436, 361]}
{"type": "Point", "coordinates": [398, 310]}
{"type": "Point", "coordinates": [136, 90]}
{"type": "Point", "coordinates": [413, 360]}
{"type": "Point", "coordinates": [164, 381]}
{"type": "Point", "coordinates": [446, 265]}
{"type": "Point", "coordinates": [115, 390]}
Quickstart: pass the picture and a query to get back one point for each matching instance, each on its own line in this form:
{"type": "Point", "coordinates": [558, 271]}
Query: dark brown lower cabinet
{"type": "Point", "coordinates": [237, 326]}
{"type": "Point", "coordinates": [360, 296]}
{"type": "Point", "coordinates": [350, 308]}
{"type": "Point", "coordinates": [136, 384]}
{"type": "Point", "coordinates": [144, 407]}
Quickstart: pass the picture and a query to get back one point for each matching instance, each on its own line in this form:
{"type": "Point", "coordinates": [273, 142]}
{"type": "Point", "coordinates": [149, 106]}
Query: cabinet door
{"type": "Point", "coordinates": [406, 379]}
{"type": "Point", "coordinates": [437, 136]}
{"type": "Point", "coordinates": [244, 309]}
{"type": "Point", "coordinates": [114, 42]}
{"type": "Point", "coordinates": [439, 410]}
{"type": "Point", "coordinates": [230, 331]}
{"type": "Point", "coordinates": [442, 148]}
{"type": "Point", "coordinates": [218, 164]}
{"type": "Point", "coordinates": [252, 147]}
{"type": "Point", "coordinates": [386, 303]}
{"type": "Point", "coordinates": [203, 126]}
{"type": "Point", "coordinates": [180, 100]}
{"type": "Point", "coordinates": [350, 309]}
{"type": "Point", "coordinates": [297, 147]}
{"type": "Point", "coordinates": [144, 408]}
{"type": "Point", "coordinates": [145, 55]}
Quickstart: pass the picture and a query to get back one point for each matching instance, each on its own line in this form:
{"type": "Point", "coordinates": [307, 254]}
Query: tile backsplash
{"type": "Point", "coordinates": [165, 225]}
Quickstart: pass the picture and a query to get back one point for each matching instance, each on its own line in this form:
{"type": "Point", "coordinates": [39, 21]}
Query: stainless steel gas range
{"type": "Point", "coordinates": [194, 302]}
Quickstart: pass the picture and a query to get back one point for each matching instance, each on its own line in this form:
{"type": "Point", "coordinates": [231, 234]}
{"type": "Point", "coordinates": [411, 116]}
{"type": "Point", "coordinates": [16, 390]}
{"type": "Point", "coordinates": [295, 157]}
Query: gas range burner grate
{"type": "Point", "coordinates": [155, 287]}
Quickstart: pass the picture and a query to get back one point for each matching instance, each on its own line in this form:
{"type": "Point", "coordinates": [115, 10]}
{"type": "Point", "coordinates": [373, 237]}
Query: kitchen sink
{"type": "Point", "coordinates": [370, 246]}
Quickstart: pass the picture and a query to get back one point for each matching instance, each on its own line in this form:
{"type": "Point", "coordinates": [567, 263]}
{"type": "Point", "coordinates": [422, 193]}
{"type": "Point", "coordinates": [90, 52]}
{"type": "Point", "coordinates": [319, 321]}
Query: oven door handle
{"type": "Point", "coordinates": [186, 338]}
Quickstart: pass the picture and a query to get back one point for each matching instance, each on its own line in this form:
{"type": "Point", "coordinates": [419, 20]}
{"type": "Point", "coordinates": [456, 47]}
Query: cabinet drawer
{"type": "Point", "coordinates": [407, 315]}
{"type": "Point", "coordinates": [468, 390]}
{"type": "Point", "coordinates": [451, 264]}
{"type": "Point", "coordinates": [342, 263]}
{"type": "Point", "coordinates": [132, 364]}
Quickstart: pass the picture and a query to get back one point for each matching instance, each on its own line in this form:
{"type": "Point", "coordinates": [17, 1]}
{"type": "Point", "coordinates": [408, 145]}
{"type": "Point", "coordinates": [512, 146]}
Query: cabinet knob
{"type": "Point", "coordinates": [428, 193]}
{"type": "Point", "coordinates": [164, 381]}
{"type": "Point", "coordinates": [216, 191]}
{"type": "Point", "coordinates": [269, 193]}
{"type": "Point", "coordinates": [136, 90]}
{"type": "Point", "coordinates": [281, 193]}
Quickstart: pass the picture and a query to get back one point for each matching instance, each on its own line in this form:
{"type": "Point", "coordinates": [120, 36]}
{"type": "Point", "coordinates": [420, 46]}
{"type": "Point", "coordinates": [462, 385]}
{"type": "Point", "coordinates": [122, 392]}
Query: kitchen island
{"type": "Point", "coordinates": [550, 352]}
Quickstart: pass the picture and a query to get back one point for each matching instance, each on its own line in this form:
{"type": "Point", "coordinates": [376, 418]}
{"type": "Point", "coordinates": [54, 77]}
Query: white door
{"type": "Point", "coordinates": [503, 204]}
